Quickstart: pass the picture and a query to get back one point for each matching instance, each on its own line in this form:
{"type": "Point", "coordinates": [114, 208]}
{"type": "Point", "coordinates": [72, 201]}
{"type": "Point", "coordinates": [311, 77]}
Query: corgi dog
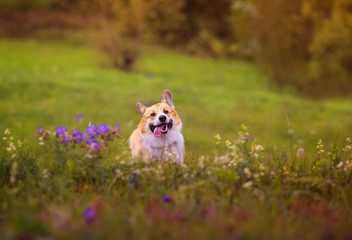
{"type": "Point", "coordinates": [159, 132]}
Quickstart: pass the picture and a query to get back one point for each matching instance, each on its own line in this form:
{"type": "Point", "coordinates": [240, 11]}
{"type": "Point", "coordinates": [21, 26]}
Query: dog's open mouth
{"type": "Point", "coordinates": [161, 129]}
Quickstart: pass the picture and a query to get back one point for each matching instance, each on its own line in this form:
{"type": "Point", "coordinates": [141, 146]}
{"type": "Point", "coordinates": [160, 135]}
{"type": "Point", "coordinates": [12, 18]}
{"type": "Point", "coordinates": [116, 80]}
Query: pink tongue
{"type": "Point", "coordinates": [157, 131]}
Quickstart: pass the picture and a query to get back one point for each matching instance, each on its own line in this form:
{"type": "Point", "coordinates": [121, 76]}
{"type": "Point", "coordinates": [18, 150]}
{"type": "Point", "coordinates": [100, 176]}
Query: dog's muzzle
{"type": "Point", "coordinates": [164, 127]}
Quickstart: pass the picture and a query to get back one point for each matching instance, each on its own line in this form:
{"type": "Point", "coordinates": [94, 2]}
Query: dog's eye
{"type": "Point", "coordinates": [166, 111]}
{"type": "Point", "coordinates": [152, 114]}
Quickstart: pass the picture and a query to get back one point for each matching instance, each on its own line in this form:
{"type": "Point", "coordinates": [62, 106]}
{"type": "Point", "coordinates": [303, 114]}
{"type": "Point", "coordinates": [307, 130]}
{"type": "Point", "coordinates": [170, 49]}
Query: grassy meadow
{"type": "Point", "coordinates": [284, 173]}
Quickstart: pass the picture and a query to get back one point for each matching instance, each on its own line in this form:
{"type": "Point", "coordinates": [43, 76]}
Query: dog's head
{"type": "Point", "coordinates": [161, 118]}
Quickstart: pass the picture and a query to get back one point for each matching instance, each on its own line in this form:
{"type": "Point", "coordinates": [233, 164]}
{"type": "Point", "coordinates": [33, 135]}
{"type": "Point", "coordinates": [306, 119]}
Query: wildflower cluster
{"type": "Point", "coordinates": [345, 165]}
{"type": "Point", "coordinates": [170, 154]}
{"type": "Point", "coordinates": [243, 135]}
{"type": "Point", "coordinates": [243, 148]}
{"type": "Point", "coordinates": [232, 157]}
{"type": "Point", "coordinates": [256, 150]}
{"type": "Point", "coordinates": [348, 147]}
{"type": "Point", "coordinates": [10, 145]}
{"type": "Point", "coordinates": [241, 159]}
{"type": "Point", "coordinates": [320, 147]}
{"type": "Point", "coordinates": [93, 139]}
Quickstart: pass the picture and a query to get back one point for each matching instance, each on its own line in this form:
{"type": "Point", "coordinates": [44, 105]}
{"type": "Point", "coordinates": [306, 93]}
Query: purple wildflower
{"type": "Point", "coordinates": [90, 140]}
{"type": "Point", "coordinates": [96, 145]}
{"type": "Point", "coordinates": [75, 132]}
{"type": "Point", "coordinates": [67, 139]}
{"type": "Point", "coordinates": [89, 215]}
{"type": "Point", "coordinates": [93, 143]}
{"type": "Point", "coordinates": [78, 137]}
{"type": "Point", "coordinates": [167, 199]}
{"type": "Point", "coordinates": [84, 136]}
{"type": "Point", "coordinates": [118, 127]}
{"type": "Point", "coordinates": [61, 130]}
{"type": "Point", "coordinates": [40, 131]}
{"type": "Point", "coordinates": [104, 128]}
{"type": "Point", "coordinates": [92, 129]}
{"type": "Point", "coordinates": [79, 117]}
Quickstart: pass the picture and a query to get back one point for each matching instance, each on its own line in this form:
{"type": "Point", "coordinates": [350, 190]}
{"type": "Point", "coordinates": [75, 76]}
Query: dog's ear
{"type": "Point", "coordinates": [166, 97]}
{"type": "Point", "coordinates": [141, 108]}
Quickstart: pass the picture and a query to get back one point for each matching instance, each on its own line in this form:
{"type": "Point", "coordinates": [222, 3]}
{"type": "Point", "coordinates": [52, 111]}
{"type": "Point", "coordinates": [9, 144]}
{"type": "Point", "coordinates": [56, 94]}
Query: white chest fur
{"type": "Point", "coordinates": [172, 141]}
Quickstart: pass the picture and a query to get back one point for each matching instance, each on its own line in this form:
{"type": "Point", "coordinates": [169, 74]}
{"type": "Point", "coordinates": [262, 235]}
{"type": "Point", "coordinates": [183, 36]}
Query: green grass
{"type": "Point", "coordinates": [44, 190]}
{"type": "Point", "coordinates": [48, 84]}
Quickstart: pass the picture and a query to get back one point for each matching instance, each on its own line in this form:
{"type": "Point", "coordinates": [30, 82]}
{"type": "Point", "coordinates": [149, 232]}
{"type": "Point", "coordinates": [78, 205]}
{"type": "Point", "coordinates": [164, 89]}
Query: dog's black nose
{"type": "Point", "coordinates": [162, 118]}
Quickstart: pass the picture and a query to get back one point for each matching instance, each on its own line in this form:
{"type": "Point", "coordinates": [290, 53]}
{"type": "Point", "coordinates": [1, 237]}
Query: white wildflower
{"type": "Point", "coordinates": [12, 146]}
{"type": "Point", "coordinates": [45, 173]}
{"type": "Point", "coordinates": [118, 173]}
{"type": "Point", "coordinates": [223, 159]}
{"type": "Point", "coordinates": [339, 165]}
{"type": "Point", "coordinates": [218, 139]}
{"type": "Point", "coordinates": [228, 144]}
{"type": "Point", "coordinates": [201, 163]}
{"type": "Point", "coordinates": [259, 148]}
{"type": "Point", "coordinates": [247, 185]}
{"type": "Point", "coordinates": [247, 172]}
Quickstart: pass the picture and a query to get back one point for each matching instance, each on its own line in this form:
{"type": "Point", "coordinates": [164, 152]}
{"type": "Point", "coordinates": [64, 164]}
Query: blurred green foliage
{"type": "Point", "coordinates": [24, 5]}
{"type": "Point", "coordinates": [331, 48]}
{"type": "Point", "coordinates": [305, 43]}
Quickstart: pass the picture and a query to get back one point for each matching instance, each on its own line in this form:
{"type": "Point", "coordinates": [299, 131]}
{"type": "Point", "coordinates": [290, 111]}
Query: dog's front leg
{"type": "Point", "coordinates": [180, 151]}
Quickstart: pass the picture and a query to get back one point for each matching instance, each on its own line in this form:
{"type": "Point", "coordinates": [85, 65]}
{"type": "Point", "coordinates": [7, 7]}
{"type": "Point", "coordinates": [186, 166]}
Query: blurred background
{"type": "Point", "coordinates": [304, 44]}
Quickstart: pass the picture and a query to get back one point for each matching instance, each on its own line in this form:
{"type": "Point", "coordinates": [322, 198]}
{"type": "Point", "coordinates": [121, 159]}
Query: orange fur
{"type": "Point", "coordinates": [142, 141]}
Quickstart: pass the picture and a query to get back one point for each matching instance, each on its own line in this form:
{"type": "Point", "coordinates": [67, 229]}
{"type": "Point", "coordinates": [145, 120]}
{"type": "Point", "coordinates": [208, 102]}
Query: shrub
{"type": "Point", "coordinates": [122, 52]}
{"type": "Point", "coordinates": [119, 30]}
{"type": "Point", "coordinates": [165, 21]}
{"type": "Point", "coordinates": [283, 37]}
{"type": "Point", "coordinates": [331, 62]}
{"type": "Point", "coordinates": [304, 44]}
